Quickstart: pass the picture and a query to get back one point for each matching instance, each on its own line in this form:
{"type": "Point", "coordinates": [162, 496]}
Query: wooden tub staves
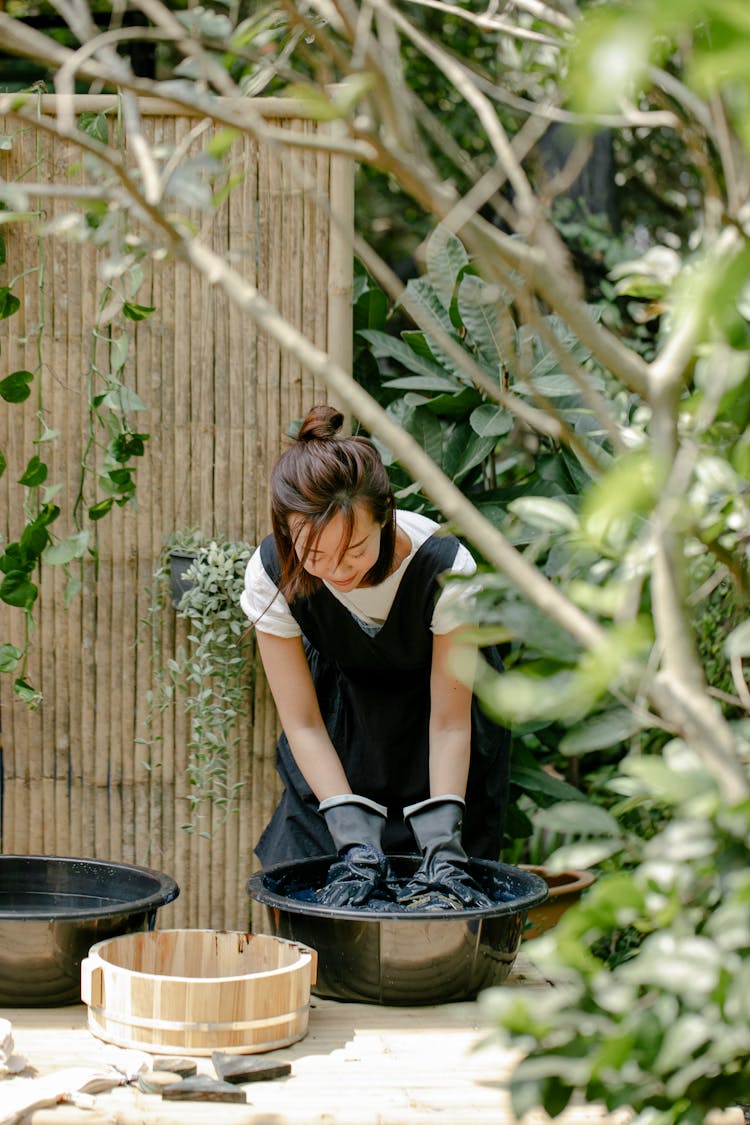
{"type": "Point", "coordinates": [197, 991]}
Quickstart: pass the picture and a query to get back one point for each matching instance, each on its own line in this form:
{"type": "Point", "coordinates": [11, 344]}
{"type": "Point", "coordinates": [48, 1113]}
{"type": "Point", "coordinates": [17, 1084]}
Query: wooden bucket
{"type": "Point", "coordinates": [196, 991]}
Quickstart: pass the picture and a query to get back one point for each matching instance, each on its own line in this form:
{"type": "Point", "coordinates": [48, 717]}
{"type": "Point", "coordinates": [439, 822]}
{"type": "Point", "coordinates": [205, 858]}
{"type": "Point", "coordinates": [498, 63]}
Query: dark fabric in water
{"type": "Point", "coordinates": [388, 900]}
{"type": "Point", "coordinates": [374, 694]}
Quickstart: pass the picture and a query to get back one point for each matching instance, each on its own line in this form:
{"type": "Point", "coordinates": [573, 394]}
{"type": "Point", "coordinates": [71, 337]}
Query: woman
{"type": "Point", "coordinates": [382, 745]}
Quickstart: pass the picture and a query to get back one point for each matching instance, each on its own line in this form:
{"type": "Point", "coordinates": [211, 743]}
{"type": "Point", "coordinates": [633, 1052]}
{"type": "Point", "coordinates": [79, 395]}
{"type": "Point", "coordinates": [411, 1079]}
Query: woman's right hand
{"type": "Point", "coordinates": [362, 870]}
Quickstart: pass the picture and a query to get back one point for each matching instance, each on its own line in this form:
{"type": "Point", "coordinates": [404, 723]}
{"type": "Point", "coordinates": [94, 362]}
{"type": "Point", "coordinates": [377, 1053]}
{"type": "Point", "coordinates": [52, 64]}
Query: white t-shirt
{"type": "Point", "coordinates": [267, 608]}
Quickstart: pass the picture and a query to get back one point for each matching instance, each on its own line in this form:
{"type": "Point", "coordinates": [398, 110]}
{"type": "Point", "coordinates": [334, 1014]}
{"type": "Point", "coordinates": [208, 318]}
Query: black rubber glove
{"type": "Point", "coordinates": [442, 879]}
{"type": "Point", "coordinates": [356, 825]}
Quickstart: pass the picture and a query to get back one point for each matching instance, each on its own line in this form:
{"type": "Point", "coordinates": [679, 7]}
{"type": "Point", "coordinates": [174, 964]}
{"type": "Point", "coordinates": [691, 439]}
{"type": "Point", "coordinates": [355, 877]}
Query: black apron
{"type": "Point", "coordinates": [374, 696]}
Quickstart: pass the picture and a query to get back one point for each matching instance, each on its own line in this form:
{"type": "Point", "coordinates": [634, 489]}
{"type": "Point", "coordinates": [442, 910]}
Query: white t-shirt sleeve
{"type": "Point", "coordinates": [263, 603]}
{"type": "Point", "coordinates": [457, 597]}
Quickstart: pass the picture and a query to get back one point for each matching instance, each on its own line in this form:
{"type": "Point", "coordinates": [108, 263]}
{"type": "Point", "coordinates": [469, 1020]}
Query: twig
{"type": "Point", "coordinates": [489, 22]}
{"type": "Point", "coordinates": [738, 676]}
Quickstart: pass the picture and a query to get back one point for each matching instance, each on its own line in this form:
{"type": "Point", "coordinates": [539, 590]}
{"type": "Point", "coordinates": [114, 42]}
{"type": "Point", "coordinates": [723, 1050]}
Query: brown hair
{"type": "Point", "coordinates": [322, 475]}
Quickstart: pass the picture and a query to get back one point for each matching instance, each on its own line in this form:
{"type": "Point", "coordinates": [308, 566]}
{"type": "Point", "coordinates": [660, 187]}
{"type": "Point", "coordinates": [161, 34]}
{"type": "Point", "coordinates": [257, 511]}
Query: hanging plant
{"type": "Point", "coordinates": [210, 678]}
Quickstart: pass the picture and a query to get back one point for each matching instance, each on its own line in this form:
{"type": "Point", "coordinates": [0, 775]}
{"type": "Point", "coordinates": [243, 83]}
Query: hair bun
{"type": "Point", "coordinates": [321, 423]}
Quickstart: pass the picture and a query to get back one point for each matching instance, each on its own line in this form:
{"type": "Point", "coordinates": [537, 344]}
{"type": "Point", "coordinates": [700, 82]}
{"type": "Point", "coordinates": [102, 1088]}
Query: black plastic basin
{"type": "Point", "coordinates": [409, 958]}
{"type": "Point", "coordinates": [54, 908]}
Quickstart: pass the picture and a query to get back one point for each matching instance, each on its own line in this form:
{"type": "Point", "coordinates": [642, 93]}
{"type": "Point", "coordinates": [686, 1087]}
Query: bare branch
{"type": "Point", "coordinates": [544, 12]}
{"type": "Point", "coordinates": [489, 22]}
{"type": "Point", "coordinates": [481, 106]}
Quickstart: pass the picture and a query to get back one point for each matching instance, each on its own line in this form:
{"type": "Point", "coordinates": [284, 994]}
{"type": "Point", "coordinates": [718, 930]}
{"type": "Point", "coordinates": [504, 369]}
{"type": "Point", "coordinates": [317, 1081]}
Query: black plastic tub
{"type": "Point", "coordinates": [410, 958]}
{"type": "Point", "coordinates": [54, 908]}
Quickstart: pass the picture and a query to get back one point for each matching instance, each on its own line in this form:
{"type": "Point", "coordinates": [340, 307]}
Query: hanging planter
{"type": "Point", "coordinates": [180, 562]}
{"type": "Point", "coordinates": [209, 674]}
{"type": "Point", "coordinates": [565, 889]}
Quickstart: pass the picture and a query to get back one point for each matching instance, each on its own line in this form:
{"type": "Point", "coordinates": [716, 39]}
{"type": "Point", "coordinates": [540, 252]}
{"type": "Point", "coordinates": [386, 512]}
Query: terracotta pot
{"type": "Point", "coordinates": [565, 889]}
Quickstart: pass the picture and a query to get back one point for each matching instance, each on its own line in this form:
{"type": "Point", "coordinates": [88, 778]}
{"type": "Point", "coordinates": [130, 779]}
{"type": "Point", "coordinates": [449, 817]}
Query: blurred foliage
{"type": "Point", "coordinates": [663, 1028]}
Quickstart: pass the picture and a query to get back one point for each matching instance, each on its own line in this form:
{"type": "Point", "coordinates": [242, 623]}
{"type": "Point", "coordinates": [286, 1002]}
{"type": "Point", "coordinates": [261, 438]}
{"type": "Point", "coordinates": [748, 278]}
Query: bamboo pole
{"type": "Point", "coordinates": [340, 281]}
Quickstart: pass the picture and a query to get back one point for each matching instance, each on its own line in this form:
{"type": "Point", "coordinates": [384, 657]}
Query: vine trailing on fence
{"type": "Point", "coordinates": [109, 410]}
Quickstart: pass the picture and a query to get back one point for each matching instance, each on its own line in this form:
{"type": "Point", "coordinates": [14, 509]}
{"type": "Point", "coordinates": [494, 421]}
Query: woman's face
{"type": "Point", "coordinates": [331, 558]}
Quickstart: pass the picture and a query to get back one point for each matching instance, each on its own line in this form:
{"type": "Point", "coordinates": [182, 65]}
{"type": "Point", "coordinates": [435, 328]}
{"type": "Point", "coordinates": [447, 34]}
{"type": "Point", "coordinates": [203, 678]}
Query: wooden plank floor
{"type": "Point", "coordinates": [359, 1064]}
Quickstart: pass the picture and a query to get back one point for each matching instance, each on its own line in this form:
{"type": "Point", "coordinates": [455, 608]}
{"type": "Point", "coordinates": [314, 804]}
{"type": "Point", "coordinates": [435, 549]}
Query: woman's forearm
{"type": "Point", "coordinates": [318, 761]}
{"type": "Point", "coordinates": [449, 760]}
{"type": "Point", "coordinates": [450, 719]}
{"type": "Point", "coordinates": [289, 678]}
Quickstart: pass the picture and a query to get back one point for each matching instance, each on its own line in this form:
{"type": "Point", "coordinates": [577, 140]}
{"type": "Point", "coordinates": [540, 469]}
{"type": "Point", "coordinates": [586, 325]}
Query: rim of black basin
{"type": "Point", "coordinates": [537, 891]}
{"type": "Point", "coordinates": [160, 889]}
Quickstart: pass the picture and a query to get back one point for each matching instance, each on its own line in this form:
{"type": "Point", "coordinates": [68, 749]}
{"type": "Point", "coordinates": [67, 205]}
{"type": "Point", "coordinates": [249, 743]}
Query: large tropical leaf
{"type": "Point", "coordinates": [390, 347]}
{"type": "Point", "coordinates": [476, 305]}
{"type": "Point", "coordinates": [445, 257]}
{"type": "Point", "coordinates": [456, 405]}
{"type": "Point", "coordinates": [464, 451]}
{"type": "Point", "coordinates": [423, 426]}
{"type": "Point", "coordinates": [490, 420]}
{"type": "Point", "coordinates": [419, 291]}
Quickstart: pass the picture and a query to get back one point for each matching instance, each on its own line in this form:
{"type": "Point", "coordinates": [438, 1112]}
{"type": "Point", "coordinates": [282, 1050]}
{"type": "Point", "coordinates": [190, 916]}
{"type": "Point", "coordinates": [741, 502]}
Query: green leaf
{"type": "Point", "coordinates": [74, 547]}
{"type": "Point", "coordinates": [556, 385]}
{"type": "Point", "coordinates": [445, 257]}
{"type": "Point", "coordinates": [737, 643]}
{"type": "Point", "coordinates": [137, 312]}
{"type": "Point", "coordinates": [384, 346]}
{"type": "Point", "coordinates": [221, 142]}
{"type": "Point", "coordinates": [444, 384]}
{"type": "Point", "coordinates": [426, 429]}
{"type": "Point", "coordinates": [118, 352]}
{"type": "Point", "coordinates": [465, 450]}
{"type": "Point", "coordinates": [476, 304]}
{"type": "Point", "coordinates": [458, 404]}
{"type": "Point", "coordinates": [15, 387]}
{"type": "Point", "coordinates": [370, 309]}
{"type": "Point", "coordinates": [597, 733]}
{"type": "Point", "coordinates": [26, 692]}
{"type": "Point", "coordinates": [95, 125]}
{"type": "Point", "coordinates": [9, 304]}
{"type": "Point", "coordinates": [571, 817]}
{"type": "Point", "coordinates": [3, 463]}
{"type": "Point", "coordinates": [491, 420]}
{"type": "Point", "coordinates": [34, 474]}
{"type": "Point", "coordinates": [583, 854]}
{"type": "Point", "coordinates": [47, 514]}
{"type": "Point", "coordinates": [349, 92]}
{"type": "Point", "coordinates": [320, 107]}
{"type": "Point", "coordinates": [610, 60]}
{"type": "Point", "coordinates": [122, 398]}
{"type": "Point", "coordinates": [537, 632]}
{"type": "Point", "coordinates": [34, 539]}
{"type": "Point", "coordinates": [421, 293]}
{"type": "Point", "coordinates": [96, 511]}
{"type": "Point", "coordinates": [539, 781]}
{"type": "Point", "coordinates": [628, 488]}
{"type": "Point", "coordinates": [73, 588]}
{"type": "Point", "coordinates": [9, 657]}
{"type": "Point", "coordinates": [17, 590]}
{"type": "Point", "coordinates": [544, 513]}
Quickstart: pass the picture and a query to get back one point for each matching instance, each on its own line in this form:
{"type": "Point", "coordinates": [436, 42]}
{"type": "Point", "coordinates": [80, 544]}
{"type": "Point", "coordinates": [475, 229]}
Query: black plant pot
{"type": "Point", "coordinates": [179, 563]}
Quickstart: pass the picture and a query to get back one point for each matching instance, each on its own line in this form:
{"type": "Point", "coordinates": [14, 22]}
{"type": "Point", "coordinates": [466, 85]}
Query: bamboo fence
{"type": "Point", "coordinates": [78, 774]}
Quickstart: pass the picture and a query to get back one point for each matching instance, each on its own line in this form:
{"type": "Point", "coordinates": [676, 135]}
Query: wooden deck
{"type": "Point", "coordinates": [359, 1064]}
